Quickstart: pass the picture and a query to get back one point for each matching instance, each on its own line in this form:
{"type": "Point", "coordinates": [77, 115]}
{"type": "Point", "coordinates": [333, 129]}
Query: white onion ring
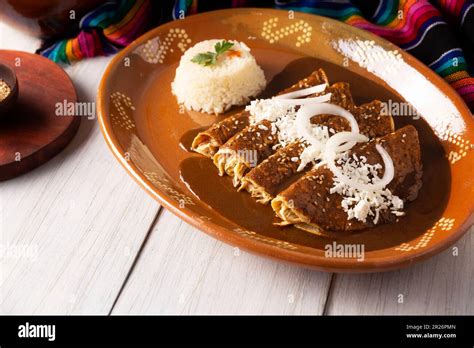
{"type": "Point", "coordinates": [306, 112]}
{"type": "Point", "coordinates": [303, 92]}
{"type": "Point", "coordinates": [304, 101]}
{"type": "Point", "coordinates": [333, 145]}
{"type": "Point", "coordinates": [388, 175]}
{"type": "Point", "coordinates": [389, 172]}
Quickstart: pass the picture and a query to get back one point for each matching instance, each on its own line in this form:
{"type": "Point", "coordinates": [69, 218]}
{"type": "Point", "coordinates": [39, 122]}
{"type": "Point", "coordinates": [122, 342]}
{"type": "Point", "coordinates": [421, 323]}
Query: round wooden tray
{"type": "Point", "coordinates": [32, 132]}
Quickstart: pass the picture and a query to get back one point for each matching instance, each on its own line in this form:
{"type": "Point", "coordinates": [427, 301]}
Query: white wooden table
{"type": "Point", "coordinates": [78, 236]}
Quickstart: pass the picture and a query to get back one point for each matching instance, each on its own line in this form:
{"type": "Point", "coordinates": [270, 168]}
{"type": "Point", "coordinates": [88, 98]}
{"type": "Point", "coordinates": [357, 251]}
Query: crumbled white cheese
{"type": "Point", "coordinates": [361, 204]}
{"type": "Point", "coordinates": [283, 118]}
{"type": "Point", "coordinates": [361, 210]}
{"type": "Point", "coordinates": [268, 109]}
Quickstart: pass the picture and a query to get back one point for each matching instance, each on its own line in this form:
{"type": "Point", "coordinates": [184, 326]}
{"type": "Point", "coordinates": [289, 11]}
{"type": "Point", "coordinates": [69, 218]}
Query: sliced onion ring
{"type": "Point", "coordinates": [389, 169]}
{"type": "Point", "coordinates": [389, 172]}
{"type": "Point", "coordinates": [306, 112]}
{"type": "Point", "coordinates": [303, 92]}
{"type": "Point", "coordinates": [304, 101]}
{"type": "Point", "coordinates": [335, 144]}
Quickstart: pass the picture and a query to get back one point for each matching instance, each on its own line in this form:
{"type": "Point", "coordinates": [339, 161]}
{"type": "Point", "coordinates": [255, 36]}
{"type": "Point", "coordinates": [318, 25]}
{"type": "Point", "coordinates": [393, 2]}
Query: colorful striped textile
{"type": "Point", "coordinates": [102, 31]}
{"type": "Point", "coordinates": [428, 30]}
{"type": "Point", "coordinates": [439, 32]}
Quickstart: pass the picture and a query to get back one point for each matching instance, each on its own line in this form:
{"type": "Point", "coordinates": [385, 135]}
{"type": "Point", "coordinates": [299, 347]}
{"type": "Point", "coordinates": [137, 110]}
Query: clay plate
{"type": "Point", "coordinates": [149, 134]}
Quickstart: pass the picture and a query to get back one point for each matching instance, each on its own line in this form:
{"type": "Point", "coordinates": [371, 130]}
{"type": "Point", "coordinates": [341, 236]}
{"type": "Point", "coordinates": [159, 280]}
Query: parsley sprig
{"type": "Point", "coordinates": [210, 58]}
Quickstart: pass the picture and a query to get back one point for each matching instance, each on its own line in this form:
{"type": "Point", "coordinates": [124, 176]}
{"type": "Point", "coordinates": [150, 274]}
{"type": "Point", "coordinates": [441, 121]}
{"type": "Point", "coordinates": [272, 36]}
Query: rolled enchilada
{"type": "Point", "coordinates": [246, 149]}
{"type": "Point", "coordinates": [269, 177]}
{"type": "Point", "coordinates": [208, 142]}
{"type": "Point", "coordinates": [312, 205]}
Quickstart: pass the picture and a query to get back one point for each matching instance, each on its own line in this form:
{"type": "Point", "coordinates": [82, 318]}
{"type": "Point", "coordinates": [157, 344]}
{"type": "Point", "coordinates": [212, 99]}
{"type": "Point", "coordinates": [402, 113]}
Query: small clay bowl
{"type": "Point", "coordinates": [8, 75]}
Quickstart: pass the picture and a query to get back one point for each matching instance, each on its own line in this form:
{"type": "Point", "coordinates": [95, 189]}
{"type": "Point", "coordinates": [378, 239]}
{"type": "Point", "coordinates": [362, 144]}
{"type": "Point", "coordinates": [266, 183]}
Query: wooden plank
{"type": "Point", "coordinates": [71, 229]}
{"type": "Point", "coordinates": [441, 285]}
{"type": "Point", "coordinates": [12, 39]}
{"type": "Point", "coordinates": [182, 270]}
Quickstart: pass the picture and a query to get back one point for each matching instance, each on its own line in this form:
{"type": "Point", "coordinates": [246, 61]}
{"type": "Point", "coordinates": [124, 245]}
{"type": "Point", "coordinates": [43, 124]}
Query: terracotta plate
{"type": "Point", "coordinates": [149, 134]}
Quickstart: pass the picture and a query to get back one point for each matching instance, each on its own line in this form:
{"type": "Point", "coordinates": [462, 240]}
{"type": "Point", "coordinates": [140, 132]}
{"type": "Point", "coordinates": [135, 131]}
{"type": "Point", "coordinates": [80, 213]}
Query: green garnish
{"type": "Point", "coordinates": [210, 58]}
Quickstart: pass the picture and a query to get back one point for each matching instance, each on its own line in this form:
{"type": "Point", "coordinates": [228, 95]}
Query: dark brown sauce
{"type": "Point", "coordinates": [200, 175]}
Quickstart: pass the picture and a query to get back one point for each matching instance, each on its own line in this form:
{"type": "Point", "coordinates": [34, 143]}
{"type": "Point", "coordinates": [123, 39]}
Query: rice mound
{"type": "Point", "coordinates": [233, 80]}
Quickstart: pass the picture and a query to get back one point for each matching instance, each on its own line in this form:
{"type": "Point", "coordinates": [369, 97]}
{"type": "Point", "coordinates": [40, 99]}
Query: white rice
{"type": "Point", "coordinates": [233, 80]}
